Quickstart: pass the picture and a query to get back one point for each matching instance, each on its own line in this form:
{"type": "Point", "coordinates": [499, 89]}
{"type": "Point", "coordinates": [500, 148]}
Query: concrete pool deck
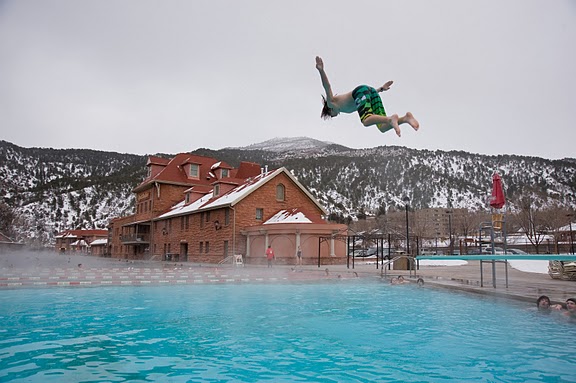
{"type": "Point", "coordinates": [21, 269]}
{"type": "Point", "coordinates": [524, 286]}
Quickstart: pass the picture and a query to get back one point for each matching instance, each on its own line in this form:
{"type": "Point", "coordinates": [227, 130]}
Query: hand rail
{"type": "Point", "coordinates": [396, 258]}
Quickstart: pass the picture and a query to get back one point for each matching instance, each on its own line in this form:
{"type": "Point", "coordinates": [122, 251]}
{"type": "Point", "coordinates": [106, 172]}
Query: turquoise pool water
{"type": "Point", "coordinates": [338, 331]}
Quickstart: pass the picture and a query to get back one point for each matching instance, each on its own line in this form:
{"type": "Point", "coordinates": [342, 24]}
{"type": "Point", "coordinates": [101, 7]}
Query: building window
{"type": "Point", "coordinates": [207, 216]}
{"type": "Point", "coordinates": [225, 248]}
{"type": "Point", "coordinates": [224, 173]}
{"type": "Point", "coordinates": [226, 216]}
{"type": "Point", "coordinates": [165, 228]}
{"type": "Point", "coordinates": [207, 247]}
{"type": "Point", "coordinates": [202, 220]}
{"type": "Point", "coordinates": [194, 171]}
{"type": "Point", "coordinates": [280, 191]}
{"type": "Point", "coordinates": [201, 247]}
{"type": "Point", "coordinates": [259, 214]}
{"type": "Point", "coordinates": [216, 190]}
{"type": "Point", "coordinates": [187, 222]}
{"type": "Point", "coordinates": [182, 223]}
{"type": "Point", "coordinates": [187, 198]}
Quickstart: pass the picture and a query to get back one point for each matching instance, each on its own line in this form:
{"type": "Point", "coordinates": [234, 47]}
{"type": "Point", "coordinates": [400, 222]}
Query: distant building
{"type": "Point", "coordinates": [7, 243]}
{"type": "Point", "coordinates": [78, 240]}
{"type": "Point", "coordinates": [195, 208]}
{"type": "Point", "coordinates": [99, 247]}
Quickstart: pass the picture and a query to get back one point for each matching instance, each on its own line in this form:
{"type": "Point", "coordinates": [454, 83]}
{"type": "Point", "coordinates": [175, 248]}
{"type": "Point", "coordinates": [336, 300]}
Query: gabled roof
{"type": "Point", "coordinates": [236, 195]}
{"type": "Point", "coordinates": [203, 189]}
{"type": "Point", "coordinates": [99, 242]}
{"type": "Point", "coordinates": [175, 173]}
{"type": "Point", "coordinates": [295, 215]}
{"type": "Point", "coordinates": [4, 238]}
{"type": "Point", "coordinates": [247, 169]}
{"type": "Point", "coordinates": [82, 233]}
{"type": "Point", "coordinates": [221, 165]}
{"type": "Point", "coordinates": [153, 160]}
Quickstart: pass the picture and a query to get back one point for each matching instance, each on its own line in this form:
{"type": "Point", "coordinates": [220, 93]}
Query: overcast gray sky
{"type": "Point", "coordinates": [139, 76]}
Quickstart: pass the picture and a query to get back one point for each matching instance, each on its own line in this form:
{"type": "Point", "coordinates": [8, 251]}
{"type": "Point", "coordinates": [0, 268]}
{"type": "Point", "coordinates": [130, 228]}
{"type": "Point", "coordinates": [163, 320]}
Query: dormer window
{"type": "Point", "coordinates": [225, 173]}
{"type": "Point", "coordinates": [187, 198]}
{"type": "Point", "coordinates": [149, 172]}
{"type": "Point", "coordinates": [194, 171]}
{"type": "Point", "coordinates": [216, 190]}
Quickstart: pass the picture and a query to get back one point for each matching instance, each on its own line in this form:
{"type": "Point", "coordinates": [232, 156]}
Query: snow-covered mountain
{"type": "Point", "coordinates": [288, 144]}
{"type": "Point", "coordinates": [52, 190]}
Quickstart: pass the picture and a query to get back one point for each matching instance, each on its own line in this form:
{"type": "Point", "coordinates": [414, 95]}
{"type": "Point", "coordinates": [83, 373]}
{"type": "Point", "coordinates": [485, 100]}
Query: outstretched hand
{"type": "Point", "coordinates": [319, 63]}
{"type": "Point", "coordinates": [387, 86]}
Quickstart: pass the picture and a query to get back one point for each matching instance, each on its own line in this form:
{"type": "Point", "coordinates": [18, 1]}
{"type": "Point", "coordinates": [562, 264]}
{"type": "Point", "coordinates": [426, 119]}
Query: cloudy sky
{"type": "Point", "coordinates": [144, 77]}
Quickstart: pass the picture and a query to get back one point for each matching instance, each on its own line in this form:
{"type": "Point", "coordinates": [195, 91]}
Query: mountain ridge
{"type": "Point", "coordinates": [57, 189]}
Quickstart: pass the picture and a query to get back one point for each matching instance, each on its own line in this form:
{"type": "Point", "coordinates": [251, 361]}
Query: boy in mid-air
{"type": "Point", "coordinates": [366, 101]}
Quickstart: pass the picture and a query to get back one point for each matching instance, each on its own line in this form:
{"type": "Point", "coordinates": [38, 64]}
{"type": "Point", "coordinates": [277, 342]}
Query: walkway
{"type": "Point", "coordinates": [41, 270]}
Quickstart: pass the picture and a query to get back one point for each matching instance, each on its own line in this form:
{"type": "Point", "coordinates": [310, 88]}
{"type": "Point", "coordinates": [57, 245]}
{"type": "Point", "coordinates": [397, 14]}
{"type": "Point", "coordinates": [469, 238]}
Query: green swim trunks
{"type": "Point", "coordinates": [367, 101]}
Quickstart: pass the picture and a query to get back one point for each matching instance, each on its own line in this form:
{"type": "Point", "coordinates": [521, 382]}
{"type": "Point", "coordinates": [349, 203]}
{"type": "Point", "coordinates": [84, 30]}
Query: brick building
{"type": "Point", "coordinates": [198, 209]}
{"type": "Point", "coordinates": [78, 240]}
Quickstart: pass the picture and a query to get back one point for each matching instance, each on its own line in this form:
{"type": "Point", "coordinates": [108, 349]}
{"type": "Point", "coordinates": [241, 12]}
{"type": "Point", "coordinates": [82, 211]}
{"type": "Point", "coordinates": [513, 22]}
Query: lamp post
{"type": "Point", "coordinates": [571, 237]}
{"type": "Point", "coordinates": [406, 201]}
{"type": "Point", "coordinates": [449, 212]}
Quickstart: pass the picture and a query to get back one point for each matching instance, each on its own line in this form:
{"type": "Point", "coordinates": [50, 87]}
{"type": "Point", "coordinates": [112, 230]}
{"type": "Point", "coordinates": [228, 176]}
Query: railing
{"type": "Point", "coordinates": [135, 238]}
{"type": "Point", "coordinates": [228, 259]}
{"type": "Point", "coordinates": [390, 261]}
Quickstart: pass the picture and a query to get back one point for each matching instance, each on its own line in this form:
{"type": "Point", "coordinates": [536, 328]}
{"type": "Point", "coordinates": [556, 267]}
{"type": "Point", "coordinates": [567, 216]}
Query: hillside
{"type": "Point", "coordinates": [52, 190]}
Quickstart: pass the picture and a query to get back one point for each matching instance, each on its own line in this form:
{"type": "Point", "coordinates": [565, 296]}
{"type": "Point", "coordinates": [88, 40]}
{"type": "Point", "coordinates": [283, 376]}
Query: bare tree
{"type": "Point", "coordinates": [7, 217]}
{"type": "Point", "coordinates": [555, 218]}
{"type": "Point", "coordinates": [530, 219]}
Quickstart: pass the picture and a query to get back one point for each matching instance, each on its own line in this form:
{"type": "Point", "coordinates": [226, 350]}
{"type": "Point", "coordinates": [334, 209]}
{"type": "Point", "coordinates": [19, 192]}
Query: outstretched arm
{"type": "Point", "coordinates": [385, 86]}
{"type": "Point", "coordinates": [325, 82]}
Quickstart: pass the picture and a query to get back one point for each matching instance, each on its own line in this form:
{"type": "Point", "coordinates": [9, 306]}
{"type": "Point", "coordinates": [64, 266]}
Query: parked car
{"type": "Point", "coordinates": [488, 250]}
{"type": "Point", "coordinates": [516, 251]}
{"type": "Point", "coordinates": [364, 253]}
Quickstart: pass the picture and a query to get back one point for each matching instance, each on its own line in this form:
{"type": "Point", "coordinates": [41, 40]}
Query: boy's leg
{"type": "Point", "coordinates": [409, 119]}
{"type": "Point", "coordinates": [384, 121]}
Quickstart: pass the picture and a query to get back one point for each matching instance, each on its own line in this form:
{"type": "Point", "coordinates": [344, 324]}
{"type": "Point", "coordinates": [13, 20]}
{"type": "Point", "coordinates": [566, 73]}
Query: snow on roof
{"type": "Point", "coordinates": [229, 199]}
{"type": "Point", "coordinates": [568, 227]}
{"type": "Point", "coordinates": [101, 241]}
{"type": "Point", "coordinates": [288, 216]}
{"type": "Point", "coordinates": [216, 165]}
{"type": "Point", "coordinates": [182, 208]}
{"type": "Point", "coordinates": [232, 197]}
{"type": "Point", "coordinates": [243, 190]}
{"type": "Point", "coordinates": [66, 235]}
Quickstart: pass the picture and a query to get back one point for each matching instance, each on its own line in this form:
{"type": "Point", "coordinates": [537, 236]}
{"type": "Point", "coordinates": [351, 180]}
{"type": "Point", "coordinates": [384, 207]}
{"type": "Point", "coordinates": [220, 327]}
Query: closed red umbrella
{"type": "Point", "coordinates": [498, 200]}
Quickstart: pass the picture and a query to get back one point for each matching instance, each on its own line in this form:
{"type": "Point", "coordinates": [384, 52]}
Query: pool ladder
{"type": "Point", "coordinates": [398, 257]}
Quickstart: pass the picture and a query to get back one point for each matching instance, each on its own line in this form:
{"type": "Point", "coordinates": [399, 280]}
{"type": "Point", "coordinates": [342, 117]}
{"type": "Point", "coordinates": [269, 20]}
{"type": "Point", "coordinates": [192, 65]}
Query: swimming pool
{"type": "Point", "coordinates": [336, 331]}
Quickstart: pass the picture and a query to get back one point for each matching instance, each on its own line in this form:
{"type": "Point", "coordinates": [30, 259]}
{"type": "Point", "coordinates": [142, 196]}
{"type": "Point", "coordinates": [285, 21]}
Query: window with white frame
{"type": "Point", "coordinates": [259, 214]}
{"type": "Point", "coordinates": [194, 171]}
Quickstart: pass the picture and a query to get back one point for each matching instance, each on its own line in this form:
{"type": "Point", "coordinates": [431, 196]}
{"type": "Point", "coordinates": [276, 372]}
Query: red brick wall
{"type": "Point", "coordinates": [169, 196]}
{"type": "Point", "coordinates": [264, 197]}
{"type": "Point", "coordinates": [174, 236]}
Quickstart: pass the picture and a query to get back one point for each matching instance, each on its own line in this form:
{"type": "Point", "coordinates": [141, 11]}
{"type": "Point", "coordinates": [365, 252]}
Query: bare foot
{"type": "Point", "coordinates": [394, 124]}
{"type": "Point", "coordinates": [409, 118]}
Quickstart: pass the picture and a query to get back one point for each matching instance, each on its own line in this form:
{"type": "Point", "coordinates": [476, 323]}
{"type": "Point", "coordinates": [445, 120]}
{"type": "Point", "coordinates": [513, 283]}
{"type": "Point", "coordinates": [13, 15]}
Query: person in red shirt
{"type": "Point", "coordinates": [270, 255]}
